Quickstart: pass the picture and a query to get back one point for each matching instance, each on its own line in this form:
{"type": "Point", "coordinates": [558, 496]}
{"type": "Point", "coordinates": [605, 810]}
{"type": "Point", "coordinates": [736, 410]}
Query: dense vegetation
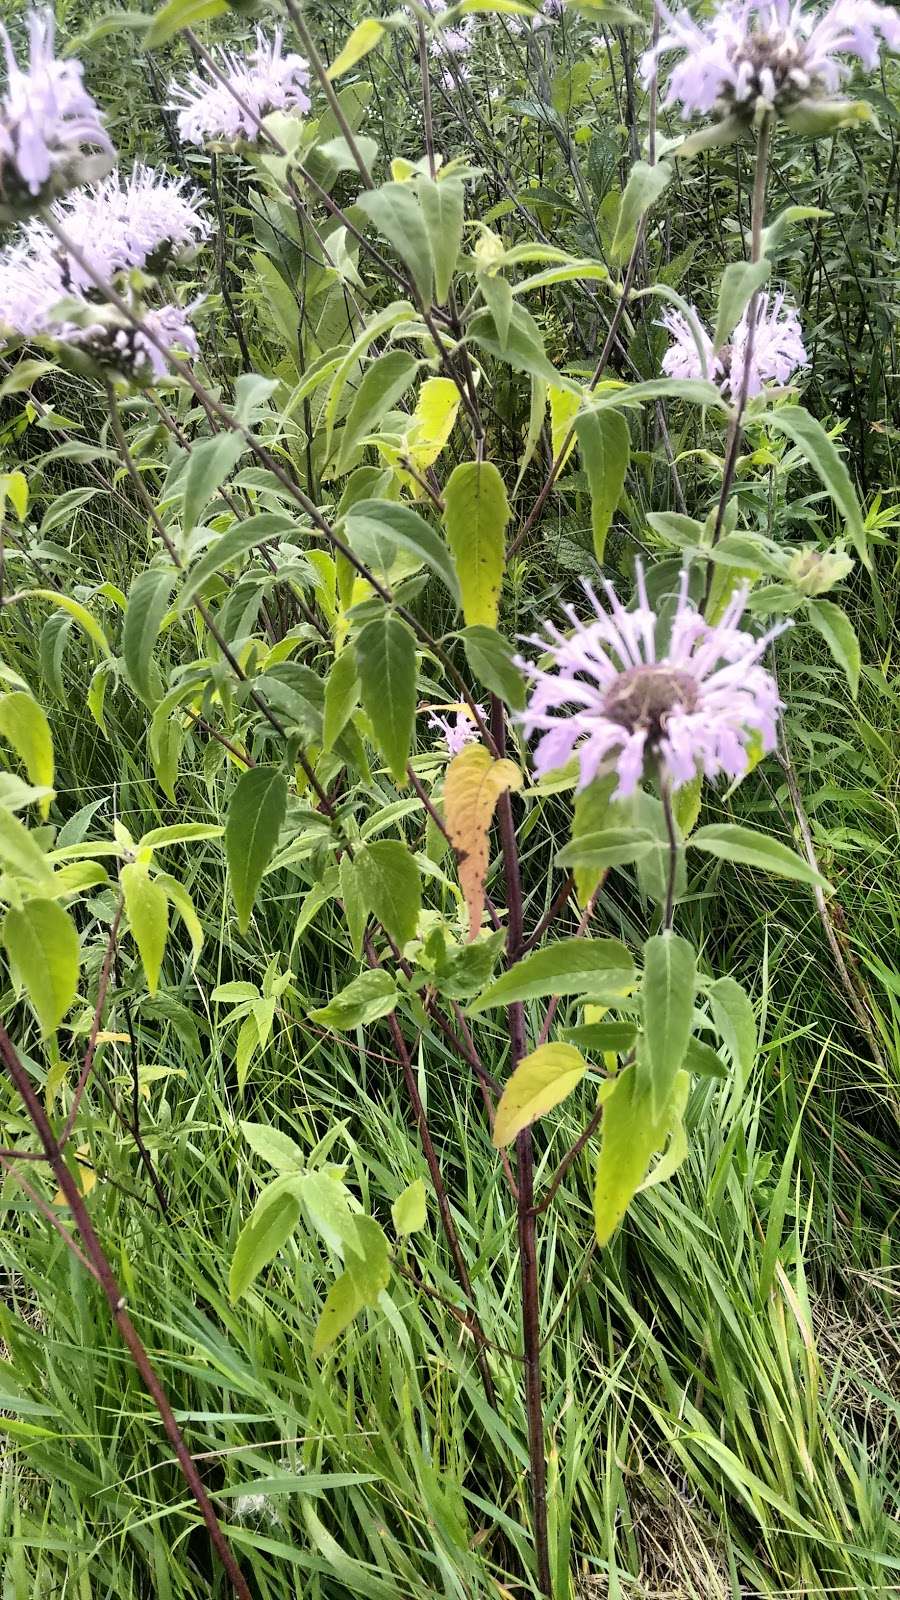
{"type": "Point", "coordinates": [273, 832]}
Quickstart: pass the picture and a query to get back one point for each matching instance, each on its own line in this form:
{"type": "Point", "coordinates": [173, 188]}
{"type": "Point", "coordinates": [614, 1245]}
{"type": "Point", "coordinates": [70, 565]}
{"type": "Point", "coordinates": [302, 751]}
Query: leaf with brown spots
{"type": "Point", "coordinates": [472, 787]}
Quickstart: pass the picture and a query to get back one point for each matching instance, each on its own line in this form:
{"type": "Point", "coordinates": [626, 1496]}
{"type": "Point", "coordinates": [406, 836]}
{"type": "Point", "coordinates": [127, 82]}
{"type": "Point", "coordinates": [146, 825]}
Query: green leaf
{"type": "Point", "coordinates": [409, 1211]}
{"type": "Point", "coordinates": [383, 384]}
{"type": "Point", "coordinates": [370, 996]}
{"type": "Point", "coordinates": [731, 842]}
{"type": "Point", "coordinates": [255, 815]}
{"type": "Point", "coordinates": [605, 446]}
{"type": "Point", "coordinates": [643, 189]}
{"type": "Point", "coordinates": [840, 636]}
{"type": "Point", "coordinates": [653, 869]}
{"type": "Point", "coordinates": [630, 1136]}
{"type": "Point", "coordinates": [704, 1061]}
{"type": "Point", "coordinates": [397, 215]}
{"type": "Point", "coordinates": [735, 1022]}
{"type": "Point", "coordinates": [356, 907]}
{"type": "Point", "coordinates": [476, 515]}
{"type": "Point", "coordinates": [594, 812]}
{"type": "Point", "coordinates": [274, 1147]}
{"type": "Point", "coordinates": [443, 207]}
{"type": "Point", "coordinates": [521, 346]}
{"type": "Point", "coordinates": [386, 655]}
{"type": "Point", "coordinates": [810, 437]}
{"type": "Point", "coordinates": [361, 39]}
{"type": "Point", "coordinates": [774, 233]}
{"type": "Point", "coordinates": [21, 855]}
{"type": "Point", "coordinates": [740, 281]}
{"type": "Point", "coordinates": [343, 1302]}
{"type": "Point", "coordinates": [44, 954]}
{"type": "Point", "coordinates": [147, 906]}
{"type": "Point", "coordinates": [667, 1000]}
{"type": "Point", "coordinates": [601, 969]}
{"type": "Point", "coordinates": [368, 1257]}
{"type": "Point", "coordinates": [400, 525]}
{"type": "Point", "coordinates": [341, 696]}
{"type": "Point", "coordinates": [491, 659]}
{"type": "Point", "coordinates": [178, 14]}
{"type": "Point", "coordinates": [24, 723]}
{"type": "Point", "coordinates": [612, 847]}
{"type": "Point", "coordinates": [179, 833]}
{"type": "Point", "coordinates": [265, 1232]}
{"type": "Point", "coordinates": [79, 613]}
{"type": "Point", "coordinates": [607, 1037]}
{"type": "Point", "coordinates": [390, 883]}
{"type": "Point", "coordinates": [208, 465]}
{"type": "Point", "coordinates": [148, 601]}
{"type": "Point", "coordinates": [230, 546]}
{"type": "Point", "coordinates": [540, 1081]}
{"type": "Point", "coordinates": [179, 897]}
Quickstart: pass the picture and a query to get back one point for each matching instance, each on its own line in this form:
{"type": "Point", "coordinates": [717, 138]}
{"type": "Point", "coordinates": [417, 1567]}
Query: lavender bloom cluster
{"type": "Point", "coordinates": [117, 225]}
{"type": "Point", "coordinates": [777, 350]}
{"type": "Point", "coordinates": [772, 51]}
{"type": "Point", "coordinates": [47, 119]}
{"type": "Point", "coordinates": [610, 699]}
{"type": "Point", "coordinates": [267, 80]}
{"type": "Point", "coordinates": [458, 733]}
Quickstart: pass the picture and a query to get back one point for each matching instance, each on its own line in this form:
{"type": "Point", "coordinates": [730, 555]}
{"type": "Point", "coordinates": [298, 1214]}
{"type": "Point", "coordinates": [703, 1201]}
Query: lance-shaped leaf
{"type": "Point", "coordinates": [147, 906]}
{"type": "Point", "coordinates": [386, 656]}
{"type": "Point", "coordinates": [24, 723]}
{"type": "Point", "coordinates": [541, 1081]}
{"type": "Point", "coordinates": [810, 437]}
{"type": "Point", "coordinates": [264, 1234]}
{"type": "Point", "coordinates": [667, 997]}
{"type": "Point", "coordinates": [389, 881]}
{"type": "Point", "coordinates": [255, 815]}
{"type": "Point", "coordinates": [44, 955]}
{"type": "Point", "coordinates": [148, 601]}
{"type": "Point", "coordinates": [630, 1136]}
{"type": "Point", "coordinates": [443, 206]}
{"type": "Point", "coordinates": [476, 515]}
{"type": "Point", "coordinates": [605, 446]}
{"type": "Point", "coordinates": [749, 848]}
{"type": "Point", "coordinates": [601, 969]}
{"type": "Point", "coordinates": [361, 39]}
{"type": "Point", "coordinates": [370, 996]}
{"type": "Point", "coordinates": [397, 214]}
{"type": "Point", "coordinates": [644, 187]}
{"type": "Point", "coordinates": [472, 787]}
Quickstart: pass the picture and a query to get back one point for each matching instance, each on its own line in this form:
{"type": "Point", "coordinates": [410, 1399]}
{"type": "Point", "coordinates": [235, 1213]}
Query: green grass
{"type": "Point", "coordinates": [722, 1388]}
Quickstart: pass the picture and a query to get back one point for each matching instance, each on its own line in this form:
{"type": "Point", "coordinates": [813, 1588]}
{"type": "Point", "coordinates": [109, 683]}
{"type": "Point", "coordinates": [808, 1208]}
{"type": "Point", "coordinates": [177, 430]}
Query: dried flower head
{"type": "Point", "coordinates": [774, 52]}
{"type": "Point", "coordinates": [47, 121]}
{"type": "Point", "coordinates": [265, 80]}
{"type": "Point", "coordinates": [777, 353]}
{"type": "Point", "coordinates": [611, 699]}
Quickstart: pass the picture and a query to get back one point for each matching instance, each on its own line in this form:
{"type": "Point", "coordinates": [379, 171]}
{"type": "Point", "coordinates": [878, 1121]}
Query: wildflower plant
{"type": "Point", "coordinates": [301, 515]}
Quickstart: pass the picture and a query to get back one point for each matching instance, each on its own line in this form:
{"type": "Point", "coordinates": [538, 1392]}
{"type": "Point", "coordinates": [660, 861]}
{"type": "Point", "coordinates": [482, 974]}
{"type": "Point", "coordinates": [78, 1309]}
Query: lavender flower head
{"type": "Point", "coordinates": [47, 118]}
{"type": "Point", "coordinates": [778, 349]}
{"type": "Point", "coordinates": [771, 51]}
{"type": "Point", "coordinates": [612, 701]}
{"type": "Point", "coordinates": [266, 80]}
{"type": "Point", "coordinates": [458, 733]}
{"type": "Point", "coordinates": [143, 220]}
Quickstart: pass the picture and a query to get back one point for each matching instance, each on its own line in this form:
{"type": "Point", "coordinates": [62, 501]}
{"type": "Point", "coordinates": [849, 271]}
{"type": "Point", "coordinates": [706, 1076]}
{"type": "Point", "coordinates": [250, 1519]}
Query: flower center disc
{"type": "Point", "coordinates": [644, 697]}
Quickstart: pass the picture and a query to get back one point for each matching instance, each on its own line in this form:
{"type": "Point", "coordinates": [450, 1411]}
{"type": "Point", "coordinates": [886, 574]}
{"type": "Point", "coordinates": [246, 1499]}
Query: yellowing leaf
{"type": "Point", "coordinates": [472, 787]}
{"type": "Point", "coordinates": [475, 518]}
{"type": "Point", "coordinates": [85, 1176]}
{"type": "Point", "coordinates": [364, 37]}
{"type": "Point", "coordinates": [540, 1081]}
{"type": "Point", "coordinates": [24, 724]}
{"type": "Point", "coordinates": [563, 410]}
{"type": "Point", "coordinates": [432, 421]}
{"type": "Point", "coordinates": [630, 1136]}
